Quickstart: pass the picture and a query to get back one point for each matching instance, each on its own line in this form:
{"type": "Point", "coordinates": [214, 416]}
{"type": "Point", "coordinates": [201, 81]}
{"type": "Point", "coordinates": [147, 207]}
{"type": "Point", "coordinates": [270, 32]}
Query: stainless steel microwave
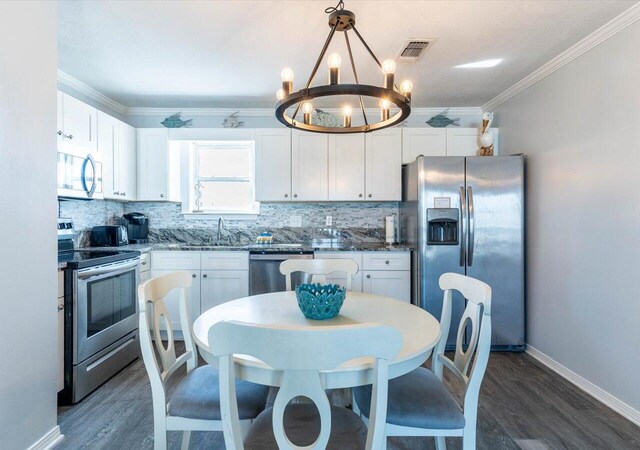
{"type": "Point", "coordinates": [79, 176]}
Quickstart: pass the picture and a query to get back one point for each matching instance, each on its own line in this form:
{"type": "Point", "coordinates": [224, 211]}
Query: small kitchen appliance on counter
{"type": "Point", "coordinates": [137, 227]}
{"type": "Point", "coordinates": [108, 236]}
{"type": "Point", "coordinates": [100, 313]}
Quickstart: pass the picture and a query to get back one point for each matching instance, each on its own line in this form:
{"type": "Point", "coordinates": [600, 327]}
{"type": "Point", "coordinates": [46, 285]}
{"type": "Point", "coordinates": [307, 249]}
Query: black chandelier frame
{"type": "Point", "coordinates": [344, 20]}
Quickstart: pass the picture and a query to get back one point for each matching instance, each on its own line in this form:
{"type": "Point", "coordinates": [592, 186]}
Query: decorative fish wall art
{"type": "Point", "coordinates": [174, 121]}
{"type": "Point", "coordinates": [232, 121]}
{"type": "Point", "coordinates": [441, 120]}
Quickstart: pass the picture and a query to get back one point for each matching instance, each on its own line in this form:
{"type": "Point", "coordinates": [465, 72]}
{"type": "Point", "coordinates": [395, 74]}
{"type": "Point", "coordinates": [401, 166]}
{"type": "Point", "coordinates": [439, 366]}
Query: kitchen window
{"type": "Point", "coordinates": [222, 179]}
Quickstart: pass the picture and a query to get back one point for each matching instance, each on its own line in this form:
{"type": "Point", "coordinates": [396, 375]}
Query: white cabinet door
{"type": "Point", "coordinates": [356, 282]}
{"type": "Point", "coordinates": [394, 284]}
{"type": "Point", "coordinates": [172, 300]}
{"type": "Point", "coordinates": [273, 164]}
{"type": "Point", "coordinates": [423, 141]}
{"type": "Point", "coordinates": [346, 167]}
{"type": "Point", "coordinates": [153, 164]}
{"type": "Point", "coordinates": [126, 161]}
{"type": "Point", "coordinates": [219, 286]}
{"type": "Point", "coordinates": [79, 123]}
{"type": "Point", "coordinates": [107, 146]}
{"type": "Point", "coordinates": [463, 141]}
{"type": "Point", "coordinates": [309, 163]}
{"type": "Point", "coordinates": [384, 165]}
{"type": "Point", "coordinates": [60, 307]}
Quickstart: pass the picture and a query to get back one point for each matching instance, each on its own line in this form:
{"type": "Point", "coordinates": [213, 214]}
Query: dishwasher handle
{"type": "Point", "coordinates": [280, 256]}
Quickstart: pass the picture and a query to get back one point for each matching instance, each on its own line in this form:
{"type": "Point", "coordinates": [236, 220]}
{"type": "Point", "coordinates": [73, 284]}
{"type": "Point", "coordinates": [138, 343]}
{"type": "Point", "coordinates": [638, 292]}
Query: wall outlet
{"type": "Point", "coordinates": [329, 221]}
{"type": "Point", "coordinates": [295, 221]}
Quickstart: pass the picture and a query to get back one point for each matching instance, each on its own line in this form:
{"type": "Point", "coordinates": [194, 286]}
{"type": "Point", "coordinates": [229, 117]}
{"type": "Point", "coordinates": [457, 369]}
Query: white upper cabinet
{"type": "Point", "coordinates": [77, 123]}
{"type": "Point", "coordinates": [346, 167]}
{"type": "Point", "coordinates": [309, 164]}
{"type": "Point", "coordinates": [383, 151]}
{"type": "Point", "coordinates": [117, 144]}
{"type": "Point", "coordinates": [154, 183]}
{"type": "Point", "coordinates": [466, 141]}
{"type": "Point", "coordinates": [273, 164]}
{"type": "Point", "coordinates": [423, 141]}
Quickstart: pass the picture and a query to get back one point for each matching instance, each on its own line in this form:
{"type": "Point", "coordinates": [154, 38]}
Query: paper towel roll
{"type": "Point", "coordinates": [390, 229]}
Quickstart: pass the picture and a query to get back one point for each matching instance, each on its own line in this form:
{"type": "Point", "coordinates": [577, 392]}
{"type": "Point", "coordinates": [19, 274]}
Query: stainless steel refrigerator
{"type": "Point", "coordinates": [466, 215]}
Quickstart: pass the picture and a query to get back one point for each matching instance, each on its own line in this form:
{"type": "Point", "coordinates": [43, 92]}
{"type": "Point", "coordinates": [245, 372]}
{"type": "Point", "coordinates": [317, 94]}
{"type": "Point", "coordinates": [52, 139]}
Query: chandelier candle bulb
{"type": "Point", "coordinates": [287, 81]}
{"type": "Point", "coordinates": [384, 109]}
{"type": "Point", "coordinates": [307, 108]}
{"type": "Point", "coordinates": [280, 94]}
{"type": "Point", "coordinates": [405, 88]}
{"type": "Point", "coordinates": [334, 62]}
{"type": "Point", "coordinates": [389, 69]}
{"type": "Point", "coordinates": [346, 112]}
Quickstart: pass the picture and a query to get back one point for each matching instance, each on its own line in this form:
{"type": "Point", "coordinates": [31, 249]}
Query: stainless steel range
{"type": "Point", "coordinates": [101, 322]}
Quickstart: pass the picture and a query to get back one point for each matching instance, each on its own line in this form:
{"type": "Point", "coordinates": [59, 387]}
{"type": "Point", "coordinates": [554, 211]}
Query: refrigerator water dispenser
{"type": "Point", "coordinates": [442, 226]}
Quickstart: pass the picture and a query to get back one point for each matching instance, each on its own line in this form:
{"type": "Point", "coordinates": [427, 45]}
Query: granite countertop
{"type": "Point", "coordinates": [331, 246]}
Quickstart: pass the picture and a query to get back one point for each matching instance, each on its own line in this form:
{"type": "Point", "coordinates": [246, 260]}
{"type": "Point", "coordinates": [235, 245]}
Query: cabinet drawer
{"type": "Point", "coordinates": [225, 260]}
{"type": "Point", "coordinates": [356, 256]}
{"type": "Point", "coordinates": [60, 283]}
{"type": "Point", "coordinates": [175, 260]}
{"type": "Point", "coordinates": [386, 261]}
{"type": "Point", "coordinates": [145, 262]}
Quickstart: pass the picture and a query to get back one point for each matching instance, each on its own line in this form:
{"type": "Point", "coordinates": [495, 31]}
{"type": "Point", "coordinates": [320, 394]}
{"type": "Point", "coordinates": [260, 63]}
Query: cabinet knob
{"type": "Point", "coordinates": [369, 276]}
{"type": "Point", "coordinates": [123, 193]}
{"type": "Point", "coordinates": [193, 275]}
{"type": "Point", "coordinates": [387, 261]}
{"type": "Point", "coordinates": [59, 133]}
{"type": "Point", "coordinates": [204, 276]}
{"type": "Point", "coordinates": [70, 136]}
{"type": "Point", "coordinates": [286, 195]}
{"type": "Point", "coordinates": [295, 195]}
{"type": "Point", "coordinates": [144, 263]}
{"type": "Point", "coordinates": [360, 195]}
{"type": "Point", "coordinates": [116, 193]}
{"type": "Point", "coordinates": [60, 307]}
{"type": "Point", "coordinates": [370, 195]}
{"type": "Point", "coordinates": [161, 195]}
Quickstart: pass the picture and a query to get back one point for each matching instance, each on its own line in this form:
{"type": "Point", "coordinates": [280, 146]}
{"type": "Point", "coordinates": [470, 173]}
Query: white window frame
{"type": "Point", "coordinates": [190, 164]}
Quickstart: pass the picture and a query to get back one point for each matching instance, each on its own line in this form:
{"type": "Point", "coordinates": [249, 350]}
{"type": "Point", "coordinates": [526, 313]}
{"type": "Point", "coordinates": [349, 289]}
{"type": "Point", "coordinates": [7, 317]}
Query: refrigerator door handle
{"type": "Point", "coordinates": [463, 236]}
{"type": "Point", "coordinates": [471, 227]}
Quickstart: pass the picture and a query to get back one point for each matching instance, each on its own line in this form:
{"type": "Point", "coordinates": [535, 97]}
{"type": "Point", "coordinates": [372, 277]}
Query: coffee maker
{"type": "Point", "coordinates": [137, 227]}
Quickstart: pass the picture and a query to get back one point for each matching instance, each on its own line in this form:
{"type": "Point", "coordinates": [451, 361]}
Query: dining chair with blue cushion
{"type": "Point", "coordinates": [301, 354]}
{"type": "Point", "coordinates": [419, 403]}
{"type": "Point", "coordinates": [195, 402]}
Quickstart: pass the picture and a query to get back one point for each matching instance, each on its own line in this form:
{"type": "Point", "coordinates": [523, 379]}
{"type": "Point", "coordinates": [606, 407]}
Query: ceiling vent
{"type": "Point", "coordinates": [413, 49]}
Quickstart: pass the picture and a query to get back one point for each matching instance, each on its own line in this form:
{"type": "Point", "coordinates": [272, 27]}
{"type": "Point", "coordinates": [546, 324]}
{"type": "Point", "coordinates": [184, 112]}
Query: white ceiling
{"type": "Point", "coordinates": [230, 53]}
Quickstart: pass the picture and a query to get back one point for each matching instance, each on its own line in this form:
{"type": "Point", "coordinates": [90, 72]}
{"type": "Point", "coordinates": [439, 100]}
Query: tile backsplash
{"type": "Point", "coordinates": [351, 221]}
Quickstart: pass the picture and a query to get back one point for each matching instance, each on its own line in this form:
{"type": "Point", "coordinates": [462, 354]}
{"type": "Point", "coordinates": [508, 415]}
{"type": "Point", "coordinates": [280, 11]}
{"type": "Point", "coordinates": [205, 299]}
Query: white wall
{"type": "Point", "coordinates": [580, 128]}
{"type": "Point", "coordinates": [28, 226]}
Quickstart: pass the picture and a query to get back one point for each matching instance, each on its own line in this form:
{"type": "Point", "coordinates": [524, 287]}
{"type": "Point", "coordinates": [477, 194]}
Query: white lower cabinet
{"type": "Point", "coordinates": [381, 273]}
{"type": "Point", "coordinates": [60, 330]}
{"type": "Point", "coordinates": [219, 286]}
{"type": "Point", "coordinates": [388, 283]}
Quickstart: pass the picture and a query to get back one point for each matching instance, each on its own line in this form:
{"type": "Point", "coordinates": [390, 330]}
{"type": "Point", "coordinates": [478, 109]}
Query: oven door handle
{"type": "Point", "coordinates": [111, 269]}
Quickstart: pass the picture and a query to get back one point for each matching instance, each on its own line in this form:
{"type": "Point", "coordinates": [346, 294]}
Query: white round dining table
{"type": "Point", "coordinates": [420, 333]}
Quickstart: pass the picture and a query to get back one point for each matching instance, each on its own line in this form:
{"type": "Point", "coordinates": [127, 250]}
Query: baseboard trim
{"type": "Point", "coordinates": [596, 392]}
{"type": "Point", "coordinates": [52, 438]}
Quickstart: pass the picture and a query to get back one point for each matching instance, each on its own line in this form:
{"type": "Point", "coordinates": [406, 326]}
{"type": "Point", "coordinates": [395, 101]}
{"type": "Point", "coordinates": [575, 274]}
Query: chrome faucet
{"type": "Point", "coordinates": [220, 227]}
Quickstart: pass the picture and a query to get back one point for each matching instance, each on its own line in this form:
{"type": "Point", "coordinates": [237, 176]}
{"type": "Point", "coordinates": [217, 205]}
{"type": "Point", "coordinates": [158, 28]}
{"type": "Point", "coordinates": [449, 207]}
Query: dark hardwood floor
{"type": "Point", "coordinates": [523, 405]}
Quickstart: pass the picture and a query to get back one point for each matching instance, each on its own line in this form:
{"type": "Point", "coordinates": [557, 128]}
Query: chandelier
{"type": "Point", "coordinates": [387, 95]}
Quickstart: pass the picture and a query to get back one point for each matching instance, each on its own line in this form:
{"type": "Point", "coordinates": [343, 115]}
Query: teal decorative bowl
{"type": "Point", "coordinates": [320, 301]}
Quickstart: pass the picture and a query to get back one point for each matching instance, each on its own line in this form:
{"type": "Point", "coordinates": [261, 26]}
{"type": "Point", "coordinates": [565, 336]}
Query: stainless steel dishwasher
{"type": "Point", "coordinates": [264, 271]}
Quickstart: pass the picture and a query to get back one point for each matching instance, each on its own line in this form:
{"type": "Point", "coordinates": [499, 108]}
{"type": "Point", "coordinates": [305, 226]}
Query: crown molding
{"type": "Point", "coordinates": [73, 83]}
{"type": "Point", "coordinates": [269, 112]}
{"type": "Point", "coordinates": [603, 33]}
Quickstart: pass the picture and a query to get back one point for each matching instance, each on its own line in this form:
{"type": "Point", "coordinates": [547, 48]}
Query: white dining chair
{"type": "Point", "coordinates": [319, 269]}
{"type": "Point", "coordinates": [419, 403]}
{"type": "Point", "coordinates": [195, 403]}
{"type": "Point", "coordinates": [302, 354]}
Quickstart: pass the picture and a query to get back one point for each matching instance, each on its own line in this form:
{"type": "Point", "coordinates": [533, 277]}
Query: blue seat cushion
{"type": "Point", "coordinates": [198, 396]}
{"type": "Point", "coordinates": [417, 399]}
{"type": "Point", "coordinates": [302, 425]}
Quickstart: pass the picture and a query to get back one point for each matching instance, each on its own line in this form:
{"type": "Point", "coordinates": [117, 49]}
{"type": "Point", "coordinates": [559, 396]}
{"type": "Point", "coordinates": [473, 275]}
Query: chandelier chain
{"type": "Point", "coordinates": [338, 7]}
